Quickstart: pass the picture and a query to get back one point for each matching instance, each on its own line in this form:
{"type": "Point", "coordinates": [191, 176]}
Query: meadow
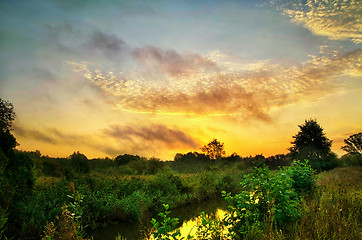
{"type": "Point", "coordinates": [79, 196]}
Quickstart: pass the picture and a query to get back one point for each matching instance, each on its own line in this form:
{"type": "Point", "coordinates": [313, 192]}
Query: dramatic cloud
{"type": "Point", "coordinates": [172, 63]}
{"type": "Point", "coordinates": [146, 135]}
{"type": "Point", "coordinates": [249, 94]}
{"type": "Point", "coordinates": [336, 19]}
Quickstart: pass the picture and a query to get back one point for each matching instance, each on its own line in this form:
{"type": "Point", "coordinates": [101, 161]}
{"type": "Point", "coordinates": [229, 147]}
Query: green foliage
{"type": "Point", "coordinates": [214, 149]}
{"type": "Point", "coordinates": [265, 196]}
{"type": "Point", "coordinates": [208, 181]}
{"type": "Point", "coordinates": [351, 159]}
{"type": "Point", "coordinates": [7, 115]}
{"type": "Point", "coordinates": [353, 144]}
{"type": "Point", "coordinates": [7, 142]}
{"type": "Point", "coordinates": [79, 162]}
{"type": "Point", "coordinates": [311, 135]}
{"type": "Point", "coordinates": [126, 158]}
{"type": "Point", "coordinates": [3, 220]}
{"type": "Point", "coordinates": [19, 173]}
{"type": "Point", "coordinates": [53, 168]}
{"type": "Point", "coordinates": [65, 227]}
{"type": "Point", "coordinates": [312, 144]}
{"type": "Point", "coordinates": [209, 227]}
{"type": "Point", "coordinates": [302, 175]}
{"type": "Point", "coordinates": [167, 227]}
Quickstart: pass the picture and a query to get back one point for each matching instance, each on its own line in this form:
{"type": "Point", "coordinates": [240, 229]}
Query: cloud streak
{"type": "Point", "coordinates": [172, 63]}
{"type": "Point", "coordinates": [129, 138]}
{"type": "Point", "coordinates": [146, 135]}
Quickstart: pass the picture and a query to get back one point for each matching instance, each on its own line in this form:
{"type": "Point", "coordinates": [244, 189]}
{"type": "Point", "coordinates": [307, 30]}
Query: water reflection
{"type": "Point", "coordinates": [188, 215]}
{"type": "Point", "coordinates": [190, 227]}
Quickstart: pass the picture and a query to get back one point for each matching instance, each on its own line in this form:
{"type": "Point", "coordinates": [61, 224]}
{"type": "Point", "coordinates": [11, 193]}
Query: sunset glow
{"type": "Point", "coordinates": [155, 78]}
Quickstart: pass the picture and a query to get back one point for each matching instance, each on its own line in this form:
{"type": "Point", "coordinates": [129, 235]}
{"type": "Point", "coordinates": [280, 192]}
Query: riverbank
{"type": "Point", "coordinates": [101, 201]}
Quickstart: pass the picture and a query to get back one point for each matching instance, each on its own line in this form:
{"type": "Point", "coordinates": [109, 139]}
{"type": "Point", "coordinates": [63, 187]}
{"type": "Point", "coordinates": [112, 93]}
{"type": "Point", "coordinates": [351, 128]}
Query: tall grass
{"type": "Point", "coordinates": [332, 211]}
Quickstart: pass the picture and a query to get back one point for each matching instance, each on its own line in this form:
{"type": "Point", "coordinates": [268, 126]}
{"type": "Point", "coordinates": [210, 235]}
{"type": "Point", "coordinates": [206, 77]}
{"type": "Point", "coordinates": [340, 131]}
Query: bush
{"type": "Point", "coordinates": [266, 197]}
{"type": "Point", "coordinates": [302, 175]}
{"type": "Point", "coordinates": [19, 173]}
{"type": "Point", "coordinates": [126, 158]}
{"type": "Point", "coordinates": [79, 162]}
{"type": "Point", "coordinates": [351, 159]}
{"type": "Point", "coordinates": [53, 168]}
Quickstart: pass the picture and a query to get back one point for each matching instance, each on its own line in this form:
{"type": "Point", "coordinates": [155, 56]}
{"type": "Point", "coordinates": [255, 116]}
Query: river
{"type": "Point", "coordinates": [187, 217]}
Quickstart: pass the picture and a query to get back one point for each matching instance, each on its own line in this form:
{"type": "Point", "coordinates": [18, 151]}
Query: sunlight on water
{"type": "Point", "coordinates": [190, 227]}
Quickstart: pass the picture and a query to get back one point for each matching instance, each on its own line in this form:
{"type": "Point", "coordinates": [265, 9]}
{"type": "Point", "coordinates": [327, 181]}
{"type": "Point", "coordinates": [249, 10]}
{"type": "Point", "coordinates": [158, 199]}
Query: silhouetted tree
{"type": "Point", "coordinates": [7, 115]}
{"type": "Point", "coordinates": [273, 162]}
{"type": "Point", "coordinates": [126, 158]}
{"type": "Point", "coordinates": [191, 157]}
{"type": "Point", "coordinates": [214, 149]}
{"type": "Point", "coordinates": [79, 162]}
{"type": "Point", "coordinates": [17, 168]}
{"type": "Point", "coordinates": [312, 144]}
{"type": "Point", "coordinates": [353, 144]}
{"type": "Point", "coordinates": [154, 165]}
{"type": "Point", "coordinates": [258, 160]}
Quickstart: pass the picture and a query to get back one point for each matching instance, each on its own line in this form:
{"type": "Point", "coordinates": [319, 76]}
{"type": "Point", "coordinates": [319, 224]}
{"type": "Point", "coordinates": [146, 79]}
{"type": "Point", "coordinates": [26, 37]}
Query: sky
{"type": "Point", "coordinates": [156, 78]}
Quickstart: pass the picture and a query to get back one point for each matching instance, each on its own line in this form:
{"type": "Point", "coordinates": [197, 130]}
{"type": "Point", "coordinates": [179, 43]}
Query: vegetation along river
{"type": "Point", "coordinates": [187, 218]}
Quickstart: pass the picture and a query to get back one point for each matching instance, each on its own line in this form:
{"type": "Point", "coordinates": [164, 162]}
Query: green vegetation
{"type": "Point", "coordinates": [63, 198]}
{"type": "Point", "coordinates": [275, 209]}
{"type": "Point", "coordinates": [312, 144]}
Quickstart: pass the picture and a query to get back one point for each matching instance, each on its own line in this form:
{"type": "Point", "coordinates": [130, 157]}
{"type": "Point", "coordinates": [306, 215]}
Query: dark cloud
{"type": "Point", "coordinates": [144, 135]}
{"type": "Point", "coordinates": [86, 42]}
{"type": "Point", "coordinates": [153, 59]}
{"type": "Point", "coordinates": [34, 134]}
{"type": "Point", "coordinates": [107, 45]}
{"type": "Point", "coordinates": [50, 135]}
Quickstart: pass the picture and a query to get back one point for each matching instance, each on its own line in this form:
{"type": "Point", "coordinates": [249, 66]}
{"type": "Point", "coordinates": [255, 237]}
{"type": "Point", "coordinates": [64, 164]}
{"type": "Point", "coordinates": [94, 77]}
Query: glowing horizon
{"type": "Point", "coordinates": [159, 78]}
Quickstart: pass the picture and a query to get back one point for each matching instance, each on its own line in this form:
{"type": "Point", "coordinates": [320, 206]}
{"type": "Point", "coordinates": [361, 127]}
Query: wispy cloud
{"type": "Point", "coordinates": [336, 19]}
{"type": "Point", "coordinates": [50, 135]}
{"type": "Point", "coordinates": [131, 138]}
{"type": "Point", "coordinates": [86, 41]}
{"type": "Point", "coordinates": [172, 63]}
{"type": "Point", "coordinates": [146, 135]}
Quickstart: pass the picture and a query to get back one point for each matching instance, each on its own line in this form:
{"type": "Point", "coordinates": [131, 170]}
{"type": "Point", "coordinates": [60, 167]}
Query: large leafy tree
{"type": "Point", "coordinates": [17, 169]}
{"type": "Point", "coordinates": [214, 149]}
{"type": "Point", "coordinates": [7, 115]}
{"type": "Point", "coordinates": [311, 143]}
{"type": "Point", "coordinates": [353, 144]}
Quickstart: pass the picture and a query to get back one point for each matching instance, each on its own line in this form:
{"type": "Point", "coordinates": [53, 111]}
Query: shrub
{"type": "Point", "coordinates": [20, 174]}
{"type": "Point", "coordinates": [53, 168]}
{"type": "Point", "coordinates": [302, 175]}
{"type": "Point", "coordinates": [79, 162]}
{"type": "Point", "coordinates": [351, 159]}
{"type": "Point", "coordinates": [126, 158]}
{"type": "Point", "coordinates": [265, 196]}
{"type": "Point", "coordinates": [166, 229]}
